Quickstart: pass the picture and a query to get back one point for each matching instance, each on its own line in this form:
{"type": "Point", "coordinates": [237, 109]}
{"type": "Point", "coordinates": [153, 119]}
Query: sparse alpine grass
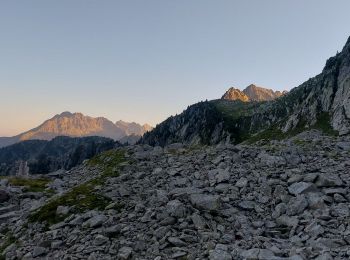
{"type": "Point", "coordinates": [30, 184]}
{"type": "Point", "coordinates": [83, 197]}
{"type": "Point", "coordinates": [7, 240]}
{"type": "Point", "coordinates": [275, 133]}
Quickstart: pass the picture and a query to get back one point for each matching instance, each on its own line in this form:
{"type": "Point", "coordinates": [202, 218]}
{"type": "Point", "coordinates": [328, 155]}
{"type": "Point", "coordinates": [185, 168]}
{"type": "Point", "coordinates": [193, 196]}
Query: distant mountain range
{"type": "Point", "coordinates": [252, 93]}
{"type": "Point", "coordinates": [79, 125]}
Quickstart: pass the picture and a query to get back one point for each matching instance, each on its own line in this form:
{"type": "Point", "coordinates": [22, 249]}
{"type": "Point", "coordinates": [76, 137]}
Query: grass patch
{"type": "Point", "coordinates": [30, 184]}
{"type": "Point", "coordinates": [300, 142]}
{"type": "Point", "coordinates": [323, 124]}
{"type": "Point", "coordinates": [83, 197]}
{"type": "Point", "coordinates": [8, 240]}
{"type": "Point", "coordinates": [275, 133]}
{"type": "Point", "coordinates": [109, 161]}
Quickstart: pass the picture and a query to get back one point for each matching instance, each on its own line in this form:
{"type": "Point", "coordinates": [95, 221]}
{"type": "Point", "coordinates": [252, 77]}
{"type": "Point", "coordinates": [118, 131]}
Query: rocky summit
{"type": "Point", "coordinates": [285, 199]}
{"type": "Point", "coordinates": [252, 93]}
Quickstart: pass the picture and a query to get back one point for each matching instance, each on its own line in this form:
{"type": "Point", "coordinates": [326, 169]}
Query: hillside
{"type": "Point", "coordinates": [322, 102]}
{"type": "Point", "coordinates": [285, 200]}
{"type": "Point", "coordinates": [45, 156]}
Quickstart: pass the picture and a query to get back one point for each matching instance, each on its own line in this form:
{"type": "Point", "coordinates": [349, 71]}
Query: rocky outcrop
{"type": "Point", "coordinates": [199, 123]}
{"type": "Point", "coordinates": [286, 200]}
{"type": "Point", "coordinates": [235, 94]}
{"type": "Point", "coordinates": [252, 93]}
{"type": "Point", "coordinates": [256, 93]}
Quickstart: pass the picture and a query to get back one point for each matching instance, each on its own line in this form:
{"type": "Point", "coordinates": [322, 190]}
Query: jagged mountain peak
{"type": "Point", "coordinates": [235, 94]}
{"type": "Point", "coordinates": [252, 93]}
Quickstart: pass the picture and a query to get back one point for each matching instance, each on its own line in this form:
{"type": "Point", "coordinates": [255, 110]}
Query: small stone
{"type": "Point", "coordinates": [176, 241]}
{"type": "Point", "coordinates": [247, 205]}
{"type": "Point", "coordinates": [198, 221]}
{"type": "Point", "coordinates": [297, 205]}
{"type": "Point", "coordinates": [220, 253]}
{"type": "Point", "coordinates": [124, 253]}
{"type": "Point", "coordinates": [205, 202]}
{"type": "Point", "coordinates": [95, 221]}
{"type": "Point", "coordinates": [242, 182]}
{"type": "Point", "coordinates": [222, 176]}
{"type": "Point", "coordinates": [176, 209]}
{"type": "Point", "coordinates": [285, 220]}
{"type": "Point", "coordinates": [38, 251]}
{"type": "Point", "coordinates": [252, 254]}
{"type": "Point", "coordinates": [301, 187]}
{"type": "Point", "coordinates": [62, 210]}
{"type": "Point", "coordinates": [113, 230]}
{"type": "Point", "coordinates": [328, 180]}
{"type": "Point", "coordinates": [100, 240]}
{"type": "Point", "coordinates": [56, 244]}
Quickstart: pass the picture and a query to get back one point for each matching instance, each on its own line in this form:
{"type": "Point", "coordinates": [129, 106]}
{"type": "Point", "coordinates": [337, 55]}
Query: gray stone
{"type": "Point", "coordinates": [38, 251]}
{"type": "Point", "coordinates": [198, 221]}
{"type": "Point", "coordinates": [297, 205]}
{"type": "Point", "coordinates": [124, 253]}
{"type": "Point", "coordinates": [222, 176]}
{"type": "Point", "coordinates": [242, 182]}
{"type": "Point", "coordinates": [247, 205]}
{"type": "Point", "coordinates": [95, 221]}
{"type": "Point", "coordinates": [285, 220]}
{"type": "Point", "coordinates": [62, 210]}
{"type": "Point", "coordinates": [301, 187]}
{"type": "Point", "coordinates": [220, 253]}
{"type": "Point", "coordinates": [113, 230]}
{"type": "Point", "coordinates": [205, 202]}
{"type": "Point", "coordinates": [176, 208]}
{"type": "Point", "coordinates": [328, 180]}
{"type": "Point", "coordinates": [100, 240]}
{"type": "Point", "coordinates": [176, 241]}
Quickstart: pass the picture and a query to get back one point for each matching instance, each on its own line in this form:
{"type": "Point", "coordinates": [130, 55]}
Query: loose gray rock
{"type": "Point", "coordinates": [205, 202]}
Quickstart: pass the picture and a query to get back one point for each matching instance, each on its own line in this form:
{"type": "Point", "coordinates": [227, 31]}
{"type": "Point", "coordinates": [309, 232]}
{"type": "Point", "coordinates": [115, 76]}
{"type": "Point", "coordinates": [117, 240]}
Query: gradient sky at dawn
{"type": "Point", "coordinates": [146, 60]}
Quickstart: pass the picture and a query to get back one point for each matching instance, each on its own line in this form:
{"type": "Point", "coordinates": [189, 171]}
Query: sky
{"type": "Point", "coordinates": [142, 61]}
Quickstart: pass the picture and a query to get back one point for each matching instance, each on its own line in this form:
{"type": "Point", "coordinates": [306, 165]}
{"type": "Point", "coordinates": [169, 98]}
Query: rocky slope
{"type": "Point", "coordinates": [322, 102]}
{"type": "Point", "coordinates": [252, 93]}
{"type": "Point", "coordinates": [275, 200]}
{"type": "Point", "coordinates": [78, 125]}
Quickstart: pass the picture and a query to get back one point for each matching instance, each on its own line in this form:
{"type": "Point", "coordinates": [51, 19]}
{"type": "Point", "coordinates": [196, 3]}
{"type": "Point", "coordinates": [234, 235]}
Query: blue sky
{"type": "Point", "coordinates": [146, 60]}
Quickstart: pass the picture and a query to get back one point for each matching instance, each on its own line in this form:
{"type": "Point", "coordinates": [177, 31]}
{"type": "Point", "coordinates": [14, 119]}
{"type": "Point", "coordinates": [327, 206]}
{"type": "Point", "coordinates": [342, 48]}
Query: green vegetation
{"type": "Point", "coordinates": [323, 124]}
{"type": "Point", "coordinates": [83, 197]}
{"type": "Point", "coordinates": [275, 133]}
{"type": "Point", "coordinates": [109, 161]}
{"type": "Point", "coordinates": [80, 199]}
{"type": "Point", "coordinates": [237, 115]}
{"type": "Point", "coordinates": [233, 110]}
{"type": "Point", "coordinates": [30, 184]}
{"type": "Point", "coordinates": [8, 240]}
{"type": "Point", "coordinates": [302, 142]}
